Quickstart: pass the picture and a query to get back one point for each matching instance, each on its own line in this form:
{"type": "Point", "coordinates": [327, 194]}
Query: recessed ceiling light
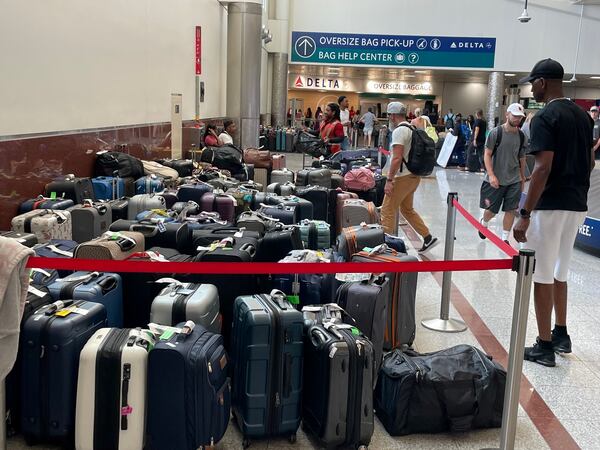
{"type": "Point", "coordinates": [595, 78]}
{"type": "Point", "coordinates": [509, 74]}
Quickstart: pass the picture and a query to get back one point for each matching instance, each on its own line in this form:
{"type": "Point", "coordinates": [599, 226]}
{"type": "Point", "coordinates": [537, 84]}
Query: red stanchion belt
{"type": "Point", "coordinates": [486, 232]}
{"type": "Point", "coordinates": [265, 268]}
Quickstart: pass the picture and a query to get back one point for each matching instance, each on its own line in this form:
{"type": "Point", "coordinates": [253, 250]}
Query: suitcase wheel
{"type": "Point", "coordinates": [292, 438]}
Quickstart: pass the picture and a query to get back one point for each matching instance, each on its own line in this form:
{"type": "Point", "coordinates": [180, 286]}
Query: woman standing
{"type": "Point", "coordinates": [331, 129]}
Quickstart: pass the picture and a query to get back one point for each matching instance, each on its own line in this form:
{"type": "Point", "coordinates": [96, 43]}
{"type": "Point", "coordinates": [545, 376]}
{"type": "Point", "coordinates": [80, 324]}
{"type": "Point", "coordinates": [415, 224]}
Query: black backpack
{"type": "Point", "coordinates": [227, 157]}
{"type": "Point", "coordinates": [499, 140]}
{"type": "Point", "coordinates": [421, 159]}
{"type": "Point", "coordinates": [123, 164]}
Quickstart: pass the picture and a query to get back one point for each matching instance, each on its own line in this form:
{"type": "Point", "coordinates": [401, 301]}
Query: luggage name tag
{"type": "Point", "coordinates": [42, 271]}
{"type": "Point", "coordinates": [126, 410]}
{"type": "Point", "coordinates": [240, 233]}
{"type": "Point", "coordinates": [293, 299]}
{"type": "Point", "coordinates": [65, 311]}
{"type": "Point", "coordinates": [332, 352]}
{"type": "Point", "coordinates": [161, 227]}
{"type": "Point", "coordinates": [58, 251]}
{"type": "Point", "coordinates": [185, 291]}
{"type": "Point", "coordinates": [35, 291]}
{"type": "Point", "coordinates": [81, 311]}
{"type": "Point", "coordinates": [53, 195]}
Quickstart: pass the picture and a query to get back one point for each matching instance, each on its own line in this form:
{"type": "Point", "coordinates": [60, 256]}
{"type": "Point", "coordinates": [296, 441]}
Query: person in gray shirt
{"type": "Point", "coordinates": [505, 165]}
{"type": "Point", "coordinates": [595, 114]}
{"type": "Point", "coordinates": [369, 121]}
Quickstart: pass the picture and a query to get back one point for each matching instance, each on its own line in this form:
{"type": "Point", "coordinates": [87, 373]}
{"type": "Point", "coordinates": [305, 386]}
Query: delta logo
{"type": "Point", "coordinates": [299, 83]}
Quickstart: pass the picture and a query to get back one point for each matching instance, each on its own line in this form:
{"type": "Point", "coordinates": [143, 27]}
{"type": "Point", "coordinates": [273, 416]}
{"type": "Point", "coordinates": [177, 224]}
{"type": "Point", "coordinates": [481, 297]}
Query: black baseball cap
{"type": "Point", "coordinates": [546, 68]}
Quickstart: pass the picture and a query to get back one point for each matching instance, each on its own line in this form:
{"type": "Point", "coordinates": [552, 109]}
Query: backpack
{"type": "Point", "coordinates": [499, 140]}
{"type": "Point", "coordinates": [421, 159]}
{"type": "Point", "coordinates": [449, 121]}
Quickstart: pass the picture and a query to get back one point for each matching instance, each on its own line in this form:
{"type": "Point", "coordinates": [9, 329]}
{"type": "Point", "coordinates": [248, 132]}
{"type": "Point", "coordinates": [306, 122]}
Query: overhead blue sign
{"type": "Point", "coordinates": [383, 50]}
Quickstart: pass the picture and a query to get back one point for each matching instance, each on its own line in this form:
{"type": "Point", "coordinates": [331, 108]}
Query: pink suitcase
{"type": "Point", "coordinates": [278, 162]}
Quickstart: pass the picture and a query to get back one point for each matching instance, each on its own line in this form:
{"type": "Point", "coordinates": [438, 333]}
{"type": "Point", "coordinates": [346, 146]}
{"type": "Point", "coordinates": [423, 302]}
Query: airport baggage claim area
{"type": "Point", "coordinates": [160, 162]}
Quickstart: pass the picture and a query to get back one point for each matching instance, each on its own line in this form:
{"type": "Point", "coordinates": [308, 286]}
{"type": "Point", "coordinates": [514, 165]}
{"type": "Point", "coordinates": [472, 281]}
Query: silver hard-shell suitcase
{"type": "Point", "coordinates": [111, 390]}
{"type": "Point", "coordinates": [356, 211]}
{"type": "Point", "coordinates": [282, 176]}
{"type": "Point", "coordinates": [144, 202]}
{"type": "Point", "coordinates": [180, 302]}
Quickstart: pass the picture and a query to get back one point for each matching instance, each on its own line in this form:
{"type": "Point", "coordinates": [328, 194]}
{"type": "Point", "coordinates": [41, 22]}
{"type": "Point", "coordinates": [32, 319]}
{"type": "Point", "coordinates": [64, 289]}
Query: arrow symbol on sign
{"type": "Point", "coordinates": [306, 43]}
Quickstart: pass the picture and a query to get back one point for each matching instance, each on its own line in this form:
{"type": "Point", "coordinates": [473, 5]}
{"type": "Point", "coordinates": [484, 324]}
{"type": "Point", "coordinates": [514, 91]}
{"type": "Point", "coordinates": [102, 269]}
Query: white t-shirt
{"type": "Point", "coordinates": [226, 138]}
{"type": "Point", "coordinates": [400, 136]}
{"type": "Point", "coordinates": [345, 118]}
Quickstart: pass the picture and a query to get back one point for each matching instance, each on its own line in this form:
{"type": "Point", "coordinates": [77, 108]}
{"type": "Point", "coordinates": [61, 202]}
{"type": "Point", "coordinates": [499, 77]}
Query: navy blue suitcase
{"type": "Point", "coordinates": [189, 395]}
{"type": "Point", "coordinates": [57, 248]}
{"type": "Point", "coordinates": [51, 341]}
{"type": "Point", "coordinates": [43, 277]}
{"type": "Point", "coordinates": [103, 288]}
{"type": "Point", "coordinates": [42, 202]}
{"type": "Point", "coordinates": [193, 192]}
{"type": "Point", "coordinates": [267, 384]}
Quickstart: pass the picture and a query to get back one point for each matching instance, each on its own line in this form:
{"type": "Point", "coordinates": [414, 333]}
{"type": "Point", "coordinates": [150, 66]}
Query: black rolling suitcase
{"type": "Point", "coordinates": [277, 243]}
{"type": "Point", "coordinates": [267, 384]}
{"type": "Point", "coordinates": [52, 339]}
{"type": "Point", "coordinates": [473, 163]}
{"type": "Point", "coordinates": [323, 201]}
{"type": "Point", "coordinates": [76, 189]}
{"type": "Point", "coordinates": [173, 235]}
{"type": "Point", "coordinates": [366, 302]}
{"type": "Point", "coordinates": [337, 400]}
{"type": "Point", "coordinates": [400, 325]}
{"type": "Point", "coordinates": [188, 390]}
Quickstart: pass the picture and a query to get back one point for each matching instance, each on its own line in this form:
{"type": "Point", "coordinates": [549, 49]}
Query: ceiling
{"type": "Point", "coordinates": [439, 75]}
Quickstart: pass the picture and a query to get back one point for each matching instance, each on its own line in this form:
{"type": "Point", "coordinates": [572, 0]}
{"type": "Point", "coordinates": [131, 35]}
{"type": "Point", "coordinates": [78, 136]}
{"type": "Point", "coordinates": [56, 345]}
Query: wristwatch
{"type": "Point", "coordinates": [524, 213]}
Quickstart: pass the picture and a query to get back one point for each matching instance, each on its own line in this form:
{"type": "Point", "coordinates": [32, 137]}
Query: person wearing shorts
{"type": "Point", "coordinates": [505, 166]}
{"type": "Point", "coordinates": [369, 122]}
{"type": "Point", "coordinates": [556, 204]}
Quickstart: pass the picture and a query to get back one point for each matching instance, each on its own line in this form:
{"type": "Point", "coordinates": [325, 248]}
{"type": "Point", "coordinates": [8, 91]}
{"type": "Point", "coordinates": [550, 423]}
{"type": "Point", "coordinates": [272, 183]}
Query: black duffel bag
{"type": "Point", "coordinates": [457, 389]}
{"type": "Point", "coordinates": [124, 165]}
{"type": "Point", "coordinates": [228, 157]}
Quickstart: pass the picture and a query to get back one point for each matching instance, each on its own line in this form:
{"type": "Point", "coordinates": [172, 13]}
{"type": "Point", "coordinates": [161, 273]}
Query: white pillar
{"type": "Point", "coordinates": [494, 98]}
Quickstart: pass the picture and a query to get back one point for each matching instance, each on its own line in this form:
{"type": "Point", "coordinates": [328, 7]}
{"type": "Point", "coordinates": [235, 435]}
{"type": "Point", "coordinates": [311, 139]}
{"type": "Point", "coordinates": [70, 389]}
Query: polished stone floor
{"type": "Point", "coordinates": [566, 410]}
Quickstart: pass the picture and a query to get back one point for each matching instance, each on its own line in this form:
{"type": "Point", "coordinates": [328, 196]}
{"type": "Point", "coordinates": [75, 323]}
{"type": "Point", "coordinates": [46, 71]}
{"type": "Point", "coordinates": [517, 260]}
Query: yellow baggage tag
{"type": "Point", "coordinates": [65, 311]}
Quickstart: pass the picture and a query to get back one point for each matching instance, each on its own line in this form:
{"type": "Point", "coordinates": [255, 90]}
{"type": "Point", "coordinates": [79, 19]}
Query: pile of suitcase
{"type": "Point", "coordinates": [159, 361]}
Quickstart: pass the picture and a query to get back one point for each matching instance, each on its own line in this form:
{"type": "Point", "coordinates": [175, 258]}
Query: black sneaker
{"type": "Point", "coordinates": [561, 344]}
{"type": "Point", "coordinates": [481, 235]}
{"type": "Point", "coordinates": [429, 245]}
{"type": "Point", "coordinates": [540, 355]}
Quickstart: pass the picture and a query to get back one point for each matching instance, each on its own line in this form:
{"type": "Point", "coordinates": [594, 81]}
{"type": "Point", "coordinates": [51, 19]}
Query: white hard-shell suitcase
{"type": "Point", "coordinates": [357, 211]}
{"type": "Point", "coordinates": [180, 302]}
{"type": "Point", "coordinates": [144, 202]}
{"type": "Point", "coordinates": [46, 224]}
{"type": "Point", "coordinates": [111, 390]}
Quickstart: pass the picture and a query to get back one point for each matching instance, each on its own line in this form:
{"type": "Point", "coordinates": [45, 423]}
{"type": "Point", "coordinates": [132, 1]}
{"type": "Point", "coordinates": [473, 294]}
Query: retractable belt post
{"type": "Point", "coordinates": [445, 324]}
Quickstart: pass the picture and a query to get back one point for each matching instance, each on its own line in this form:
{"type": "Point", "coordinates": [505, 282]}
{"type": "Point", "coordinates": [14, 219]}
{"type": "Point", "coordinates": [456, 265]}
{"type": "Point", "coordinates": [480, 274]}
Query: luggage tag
{"type": "Point", "coordinates": [58, 251]}
{"type": "Point", "coordinates": [53, 195]}
{"type": "Point", "coordinates": [161, 227]}
{"type": "Point", "coordinates": [85, 278]}
{"type": "Point", "coordinates": [31, 289]}
{"type": "Point", "coordinates": [163, 332]}
{"type": "Point", "coordinates": [42, 271]}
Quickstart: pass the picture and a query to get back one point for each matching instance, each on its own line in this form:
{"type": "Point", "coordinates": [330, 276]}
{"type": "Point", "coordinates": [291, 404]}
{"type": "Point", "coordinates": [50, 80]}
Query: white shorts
{"type": "Point", "coordinates": [368, 131]}
{"type": "Point", "coordinates": [552, 235]}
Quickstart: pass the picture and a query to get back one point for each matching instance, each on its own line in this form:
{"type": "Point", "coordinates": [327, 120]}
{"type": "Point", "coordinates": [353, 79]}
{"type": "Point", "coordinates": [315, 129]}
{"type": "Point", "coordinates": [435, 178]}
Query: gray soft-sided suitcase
{"type": "Point", "coordinates": [401, 322]}
{"type": "Point", "coordinates": [90, 220]}
{"type": "Point", "coordinates": [261, 176]}
{"type": "Point", "coordinates": [282, 176]}
{"type": "Point", "coordinates": [337, 403]}
{"type": "Point", "coordinates": [180, 302]}
{"type": "Point", "coordinates": [357, 211]}
{"type": "Point", "coordinates": [267, 356]}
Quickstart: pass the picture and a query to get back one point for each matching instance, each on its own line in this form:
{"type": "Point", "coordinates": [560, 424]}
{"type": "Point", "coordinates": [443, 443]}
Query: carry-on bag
{"type": "Point", "coordinates": [193, 192]}
{"type": "Point", "coordinates": [90, 220]}
{"type": "Point", "coordinates": [229, 249]}
{"type": "Point", "coordinates": [119, 208]}
{"type": "Point", "coordinates": [277, 243]}
{"type": "Point", "coordinates": [284, 214]}
{"type": "Point", "coordinates": [267, 385]}
{"type": "Point", "coordinates": [261, 159]}
{"type": "Point", "coordinates": [357, 211]}
{"type": "Point", "coordinates": [76, 189]}
{"type": "Point", "coordinates": [179, 302]}
{"type": "Point", "coordinates": [337, 403]}
{"type": "Point", "coordinates": [315, 234]}
{"type": "Point", "coordinates": [103, 288]}
{"type": "Point", "coordinates": [26, 239]}
{"type": "Point", "coordinates": [189, 398]}
{"type": "Point", "coordinates": [400, 324]}
{"type": "Point", "coordinates": [149, 184]}
{"type": "Point", "coordinates": [144, 202]}
{"type": "Point", "coordinates": [366, 302]}
{"type": "Point", "coordinates": [256, 221]}
{"type": "Point", "coordinates": [52, 339]}
{"type": "Point", "coordinates": [159, 234]}
{"type": "Point", "coordinates": [457, 389]}
{"type": "Point", "coordinates": [314, 177]}
{"type": "Point", "coordinates": [123, 165]}
{"type": "Point", "coordinates": [46, 224]}
{"type": "Point", "coordinates": [42, 202]}
{"type": "Point", "coordinates": [287, 188]}
{"type": "Point", "coordinates": [170, 176]}
{"type": "Point", "coordinates": [223, 204]}
{"type": "Point", "coordinates": [282, 176]}
{"type": "Point", "coordinates": [109, 188]}
{"type": "Point", "coordinates": [278, 162]}
{"type": "Point", "coordinates": [261, 176]}
{"type": "Point", "coordinates": [339, 208]}
{"type": "Point", "coordinates": [323, 201]}
{"type": "Point", "coordinates": [111, 245]}
{"type": "Point", "coordinates": [184, 167]}
{"type": "Point", "coordinates": [353, 239]}
{"type": "Point", "coordinates": [110, 410]}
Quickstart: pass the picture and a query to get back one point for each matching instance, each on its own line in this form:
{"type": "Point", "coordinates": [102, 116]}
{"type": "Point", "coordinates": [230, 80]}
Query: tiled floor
{"type": "Point", "coordinates": [571, 390]}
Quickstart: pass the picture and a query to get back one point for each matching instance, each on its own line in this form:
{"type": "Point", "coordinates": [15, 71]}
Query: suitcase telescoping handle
{"type": "Point", "coordinates": [57, 306]}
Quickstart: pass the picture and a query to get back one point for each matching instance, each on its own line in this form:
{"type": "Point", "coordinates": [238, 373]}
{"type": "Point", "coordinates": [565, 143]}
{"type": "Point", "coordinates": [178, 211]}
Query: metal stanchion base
{"type": "Point", "coordinates": [445, 326]}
